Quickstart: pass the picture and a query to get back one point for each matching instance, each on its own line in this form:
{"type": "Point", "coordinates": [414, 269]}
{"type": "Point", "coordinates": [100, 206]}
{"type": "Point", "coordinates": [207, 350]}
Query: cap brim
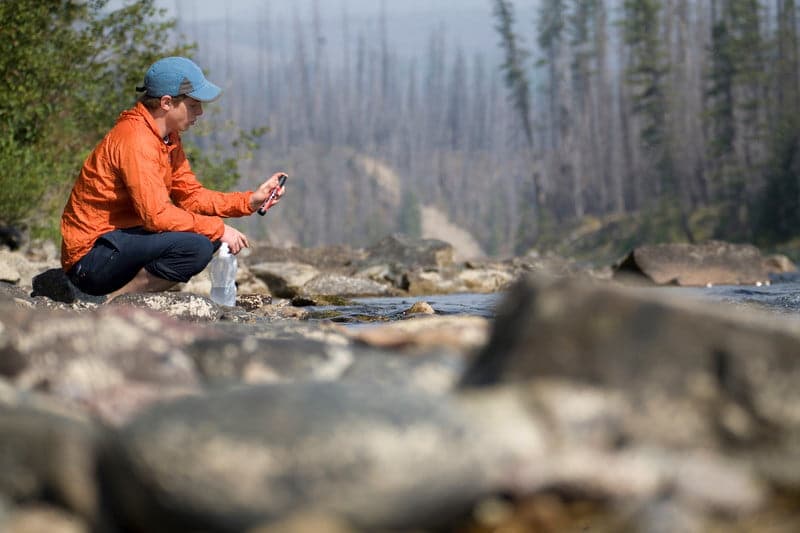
{"type": "Point", "coordinates": [208, 92]}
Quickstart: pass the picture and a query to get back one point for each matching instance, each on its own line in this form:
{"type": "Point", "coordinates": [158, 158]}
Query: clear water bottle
{"type": "Point", "coordinates": [223, 277]}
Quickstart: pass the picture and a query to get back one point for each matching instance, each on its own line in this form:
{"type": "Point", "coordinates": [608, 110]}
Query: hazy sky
{"type": "Point", "coordinates": [468, 24]}
{"type": "Point", "coordinates": [208, 9]}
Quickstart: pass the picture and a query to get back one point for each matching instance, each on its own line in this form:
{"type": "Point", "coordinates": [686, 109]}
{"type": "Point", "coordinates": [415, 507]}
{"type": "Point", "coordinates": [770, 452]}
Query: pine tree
{"type": "Point", "coordinates": [735, 112]}
{"type": "Point", "coordinates": [645, 75]}
{"type": "Point", "coordinates": [516, 79]}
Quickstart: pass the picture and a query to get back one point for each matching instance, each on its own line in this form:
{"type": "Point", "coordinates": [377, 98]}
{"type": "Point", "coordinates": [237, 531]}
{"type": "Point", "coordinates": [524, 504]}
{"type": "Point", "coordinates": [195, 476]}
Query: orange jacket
{"type": "Point", "coordinates": [134, 178]}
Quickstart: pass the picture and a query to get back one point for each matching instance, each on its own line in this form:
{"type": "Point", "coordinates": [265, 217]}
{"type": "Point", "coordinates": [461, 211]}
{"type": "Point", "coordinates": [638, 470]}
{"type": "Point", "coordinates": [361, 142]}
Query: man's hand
{"type": "Point", "coordinates": [264, 190]}
{"type": "Point", "coordinates": [236, 239]}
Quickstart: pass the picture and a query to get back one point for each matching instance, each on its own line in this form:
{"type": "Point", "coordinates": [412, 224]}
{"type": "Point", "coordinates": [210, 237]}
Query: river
{"type": "Point", "coordinates": [782, 295]}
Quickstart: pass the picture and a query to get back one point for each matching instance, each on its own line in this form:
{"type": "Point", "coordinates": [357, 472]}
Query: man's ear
{"type": "Point", "coordinates": [166, 102]}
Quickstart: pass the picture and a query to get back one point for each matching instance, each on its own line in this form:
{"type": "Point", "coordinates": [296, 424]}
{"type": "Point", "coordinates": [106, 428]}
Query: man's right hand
{"type": "Point", "coordinates": [236, 239]}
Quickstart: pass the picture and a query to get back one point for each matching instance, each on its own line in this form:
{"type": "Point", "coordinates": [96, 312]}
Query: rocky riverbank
{"type": "Point", "coordinates": [585, 404]}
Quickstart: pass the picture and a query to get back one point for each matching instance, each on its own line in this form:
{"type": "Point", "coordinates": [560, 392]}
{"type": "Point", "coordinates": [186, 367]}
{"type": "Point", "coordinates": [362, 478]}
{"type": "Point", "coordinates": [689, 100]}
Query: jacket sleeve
{"type": "Point", "coordinates": [189, 194]}
{"type": "Point", "coordinates": [143, 173]}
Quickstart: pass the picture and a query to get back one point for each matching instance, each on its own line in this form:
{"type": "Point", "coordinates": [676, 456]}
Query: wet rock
{"type": "Point", "coordinates": [55, 285]}
{"type": "Point", "coordinates": [420, 308]}
{"type": "Point", "coordinates": [184, 306]}
{"type": "Point", "coordinates": [379, 458]}
{"type": "Point", "coordinates": [44, 455]}
{"type": "Point", "coordinates": [713, 262]}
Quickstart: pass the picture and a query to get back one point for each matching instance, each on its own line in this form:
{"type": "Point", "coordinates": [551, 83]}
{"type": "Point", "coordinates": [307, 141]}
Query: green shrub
{"type": "Point", "coordinates": [69, 67]}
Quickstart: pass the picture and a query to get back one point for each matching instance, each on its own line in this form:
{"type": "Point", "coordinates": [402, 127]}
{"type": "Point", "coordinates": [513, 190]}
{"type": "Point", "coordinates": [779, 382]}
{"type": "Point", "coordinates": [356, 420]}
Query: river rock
{"type": "Point", "coordinates": [472, 278]}
{"type": "Point", "coordinates": [485, 280]}
{"type": "Point", "coordinates": [695, 374]}
{"type": "Point", "coordinates": [713, 262]}
{"type": "Point", "coordinates": [461, 333]}
{"type": "Point", "coordinates": [13, 293]}
{"type": "Point", "coordinates": [284, 280]}
{"type": "Point", "coordinates": [16, 267]}
{"type": "Point", "coordinates": [403, 250]}
{"type": "Point", "coordinates": [575, 437]}
{"type": "Point", "coordinates": [184, 306]}
{"type": "Point", "coordinates": [250, 360]}
{"type": "Point", "coordinates": [43, 455]}
{"type": "Point", "coordinates": [378, 457]}
{"type": "Point", "coordinates": [422, 282]}
{"type": "Point", "coordinates": [42, 518]}
{"type": "Point", "coordinates": [111, 361]}
{"type": "Point", "coordinates": [430, 371]}
{"type": "Point", "coordinates": [346, 286]}
{"type": "Point", "coordinates": [336, 258]}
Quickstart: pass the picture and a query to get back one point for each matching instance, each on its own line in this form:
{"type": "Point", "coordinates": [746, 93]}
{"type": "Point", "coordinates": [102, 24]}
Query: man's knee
{"type": "Point", "coordinates": [186, 257]}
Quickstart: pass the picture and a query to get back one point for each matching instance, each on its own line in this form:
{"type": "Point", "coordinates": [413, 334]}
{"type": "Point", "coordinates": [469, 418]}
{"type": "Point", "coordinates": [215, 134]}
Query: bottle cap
{"type": "Point", "coordinates": [223, 250]}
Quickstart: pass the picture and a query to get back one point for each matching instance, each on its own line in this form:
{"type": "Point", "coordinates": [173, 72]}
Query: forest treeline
{"type": "Point", "coordinates": [657, 110]}
{"type": "Point", "coordinates": [670, 109]}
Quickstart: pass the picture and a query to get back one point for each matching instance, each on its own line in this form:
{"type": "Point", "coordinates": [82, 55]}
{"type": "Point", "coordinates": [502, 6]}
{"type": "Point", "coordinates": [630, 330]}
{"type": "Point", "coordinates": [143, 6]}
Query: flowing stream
{"type": "Point", "coordinates": [782, 295]}
{"type": "Point", "coordinates": [370, 310]}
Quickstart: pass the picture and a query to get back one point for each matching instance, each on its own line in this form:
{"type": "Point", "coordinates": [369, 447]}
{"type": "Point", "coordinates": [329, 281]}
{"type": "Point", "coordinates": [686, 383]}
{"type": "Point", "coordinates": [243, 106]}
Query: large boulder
{"type": "Point", "coordinates": [400, 249]}
{"type": "Point", "coordinates": [710, 263]}
{"type": "Point", "coordinates": [332, 257]}
{"type": "Point", "coordinates": [185, 306]}
{"type": "Point", "coordinates": [379, 457]}
{"type": "Point", "coordinates": [47, 456]}
{"type": "Point", "coordinates": [348, 286]}
{"type": "Point", "coordinates": [284, 279]}
{"type": "Point", "coordinates": [110, 361]}
{"type": "Point", "coordinates": [700, 374]}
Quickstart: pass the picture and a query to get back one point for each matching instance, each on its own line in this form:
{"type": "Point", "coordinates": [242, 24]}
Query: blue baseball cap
{"type": "Point", "coordinates": [175, 76]}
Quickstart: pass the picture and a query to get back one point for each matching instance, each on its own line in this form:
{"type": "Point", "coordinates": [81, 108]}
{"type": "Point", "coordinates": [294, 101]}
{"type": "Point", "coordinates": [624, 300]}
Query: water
{"type": "Point", "coordinates": [781, 296]}
{"type": "Point", "coordinates": [224, 295]}
{"type": "Point", "coordinates": [367, 310]}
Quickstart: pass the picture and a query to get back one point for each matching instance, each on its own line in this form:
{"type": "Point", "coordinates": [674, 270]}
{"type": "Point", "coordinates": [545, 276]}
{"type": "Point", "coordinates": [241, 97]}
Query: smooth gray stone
{"type": "Point", "coordinates": [378, 457]}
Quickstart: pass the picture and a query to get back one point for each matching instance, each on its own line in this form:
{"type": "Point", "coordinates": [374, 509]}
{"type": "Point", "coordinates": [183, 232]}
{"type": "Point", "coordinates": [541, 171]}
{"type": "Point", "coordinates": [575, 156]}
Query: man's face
{"type": "Point", "coordinates": [183, 114]}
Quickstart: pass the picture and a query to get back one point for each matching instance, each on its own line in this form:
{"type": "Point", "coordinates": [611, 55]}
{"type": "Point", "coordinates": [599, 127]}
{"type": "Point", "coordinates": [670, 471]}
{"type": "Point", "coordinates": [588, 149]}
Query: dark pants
{"type": "Point", "coordinates": [119, 255]}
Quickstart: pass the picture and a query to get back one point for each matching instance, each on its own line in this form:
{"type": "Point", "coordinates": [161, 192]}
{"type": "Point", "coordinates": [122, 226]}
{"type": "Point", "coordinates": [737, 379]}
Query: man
{"type": "Point", "coordinates": [137, 219]}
